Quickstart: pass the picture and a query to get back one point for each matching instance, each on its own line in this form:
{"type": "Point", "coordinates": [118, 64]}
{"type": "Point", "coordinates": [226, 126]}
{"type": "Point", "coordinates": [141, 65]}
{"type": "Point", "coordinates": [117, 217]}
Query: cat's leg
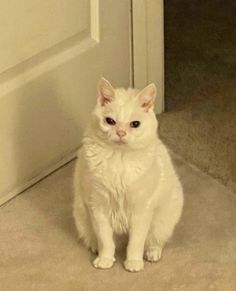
{"type": "Point", "coordinates": [163, 223]}
{"type": "Point", "coordinates": [84, 225]}
{"type": "Point", "coordinates": [139, 226]}
{"type": "Point", "coordinates": [106, 245]}
{"type": "Point", "coordinates": [154, 243]}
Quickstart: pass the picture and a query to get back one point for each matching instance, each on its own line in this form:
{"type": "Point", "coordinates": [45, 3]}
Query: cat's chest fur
{"type": "Point", "coordinates": [116, 176]}
{"type": "Point", "coordinates": [116, 170]}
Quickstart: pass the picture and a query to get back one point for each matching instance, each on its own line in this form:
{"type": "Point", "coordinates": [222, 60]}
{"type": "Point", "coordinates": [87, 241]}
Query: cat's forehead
{"type": "Point", "coordinates": [124, 105]}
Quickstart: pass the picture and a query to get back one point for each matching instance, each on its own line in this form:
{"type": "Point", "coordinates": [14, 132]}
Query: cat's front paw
{"type": "Point", "coordinates": [103, 263]}
{"type": "Point", "coordinates": [134, 265]}
{"type": "Point", "coordinates": [153, 254]}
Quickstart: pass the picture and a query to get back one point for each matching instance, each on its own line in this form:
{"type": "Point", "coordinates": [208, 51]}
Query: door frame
{"type": "Point", "coordinates": [148, 46]}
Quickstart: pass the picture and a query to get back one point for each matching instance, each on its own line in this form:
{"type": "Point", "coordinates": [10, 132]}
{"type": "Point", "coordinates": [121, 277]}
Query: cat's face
{"type": "Point", "coordinates": [125, 117]}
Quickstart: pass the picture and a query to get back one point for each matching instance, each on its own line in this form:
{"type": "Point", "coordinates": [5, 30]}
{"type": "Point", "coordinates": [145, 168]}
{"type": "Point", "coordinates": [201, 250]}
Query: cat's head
{"type": "Point", "coordinates": [125, 118]}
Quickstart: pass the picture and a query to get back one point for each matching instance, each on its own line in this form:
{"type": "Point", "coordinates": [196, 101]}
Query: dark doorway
{"type": "Point", "coordinates": [200, 84]}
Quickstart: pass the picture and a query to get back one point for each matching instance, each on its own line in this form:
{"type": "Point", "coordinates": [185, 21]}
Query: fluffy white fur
{"type": "Point", "coordinates": [125, 182]}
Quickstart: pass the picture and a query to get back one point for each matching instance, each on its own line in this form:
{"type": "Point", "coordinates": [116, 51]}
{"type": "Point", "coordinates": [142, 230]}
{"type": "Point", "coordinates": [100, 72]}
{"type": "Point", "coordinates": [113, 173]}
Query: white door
{"type": "Point", "coordinates": [52, 54]}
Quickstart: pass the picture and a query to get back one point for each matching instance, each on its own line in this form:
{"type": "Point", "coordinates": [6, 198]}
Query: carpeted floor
{"type": "Point", "coordinates": [39, 248]}
{"type": "Point", "coordinates": [200, 122]}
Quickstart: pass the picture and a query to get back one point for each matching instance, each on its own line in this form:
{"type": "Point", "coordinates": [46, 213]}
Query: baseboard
{"type": "Point", "coordinates": [18, 190]}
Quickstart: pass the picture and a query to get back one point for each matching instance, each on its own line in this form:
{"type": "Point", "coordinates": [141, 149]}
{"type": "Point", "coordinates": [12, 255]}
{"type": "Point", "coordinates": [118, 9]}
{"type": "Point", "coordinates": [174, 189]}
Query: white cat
{"type": "Point", "coordinates": [125, 182]}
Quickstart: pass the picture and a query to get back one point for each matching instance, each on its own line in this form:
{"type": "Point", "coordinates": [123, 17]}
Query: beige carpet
{"type": "Point", "coordinates": [200, 122]}
{"type": "Point", "coordinates": [39, 248]}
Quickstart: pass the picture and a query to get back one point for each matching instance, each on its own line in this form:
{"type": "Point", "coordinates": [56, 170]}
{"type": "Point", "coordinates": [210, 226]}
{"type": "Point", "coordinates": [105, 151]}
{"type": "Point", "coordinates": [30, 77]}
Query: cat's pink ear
{"type": "Point", "coordinates": [105, 92]}
{"type": "Point", "coordinates": [147, 96]}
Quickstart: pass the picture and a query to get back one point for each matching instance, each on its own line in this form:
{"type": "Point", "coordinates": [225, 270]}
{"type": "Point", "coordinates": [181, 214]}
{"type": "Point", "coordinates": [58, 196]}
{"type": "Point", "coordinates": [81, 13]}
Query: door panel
{"type": "Point", "coordinates": [49, 79]}
{"type": "Point", "coordinates": [48, 23]}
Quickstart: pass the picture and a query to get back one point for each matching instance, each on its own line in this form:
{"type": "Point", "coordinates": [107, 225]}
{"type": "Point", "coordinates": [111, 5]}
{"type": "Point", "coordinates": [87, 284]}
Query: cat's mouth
{"type": "Point", "coordinates": [120, 142]}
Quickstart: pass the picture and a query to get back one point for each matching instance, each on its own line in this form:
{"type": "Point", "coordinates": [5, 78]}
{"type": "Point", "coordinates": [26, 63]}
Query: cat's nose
{"type": "Point", "coordinates": [121, 133]}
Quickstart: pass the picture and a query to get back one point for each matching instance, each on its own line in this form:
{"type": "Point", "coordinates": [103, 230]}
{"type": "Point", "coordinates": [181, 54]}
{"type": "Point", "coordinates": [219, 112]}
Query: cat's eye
{"type": "Point", "coordinates": [135, 124]}
{"type": "Point", "coordinates": [110, 121]}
